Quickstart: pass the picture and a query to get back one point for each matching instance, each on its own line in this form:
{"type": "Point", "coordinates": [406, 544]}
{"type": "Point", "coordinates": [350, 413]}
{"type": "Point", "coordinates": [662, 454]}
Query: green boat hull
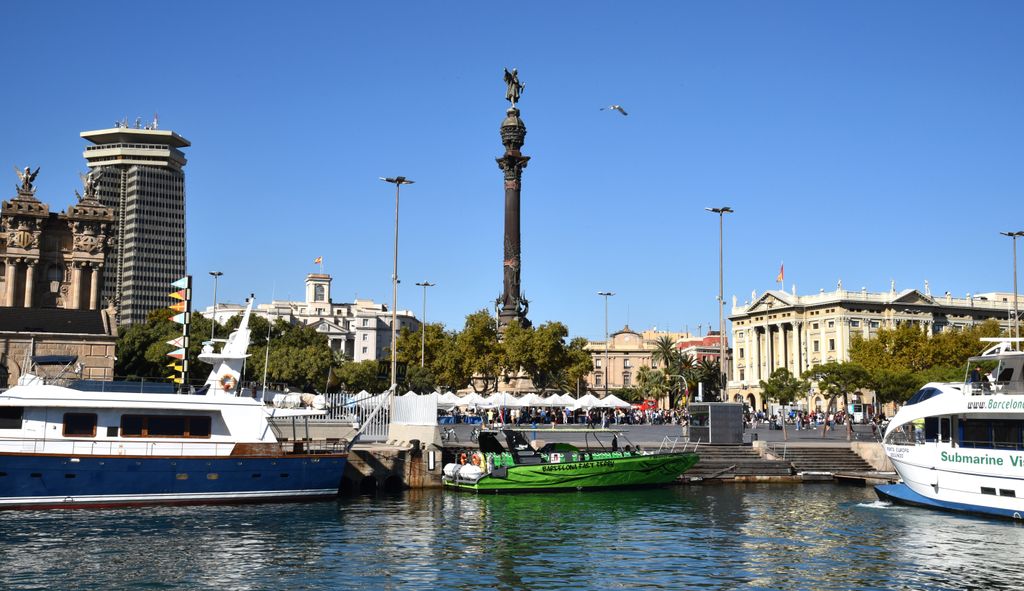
{"type": "Point", "coordinates": [619, 472]}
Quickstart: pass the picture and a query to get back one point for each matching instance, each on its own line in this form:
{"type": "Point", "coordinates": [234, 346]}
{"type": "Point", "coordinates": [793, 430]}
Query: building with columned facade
{"type": "Point", "coordinates": [780, 329]}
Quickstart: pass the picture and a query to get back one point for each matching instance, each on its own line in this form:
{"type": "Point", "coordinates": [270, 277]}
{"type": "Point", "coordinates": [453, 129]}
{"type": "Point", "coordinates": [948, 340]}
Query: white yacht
{"type": "Point", "coordinates": [66, 443]}
{"type": "Point", "coordinates": [960, 446]}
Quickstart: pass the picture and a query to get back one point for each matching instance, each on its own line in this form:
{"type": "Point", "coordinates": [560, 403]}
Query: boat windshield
{"type": "Point", "coordinates": [923, 394]}
{"type": "Point", "coordinates": [489, 443]}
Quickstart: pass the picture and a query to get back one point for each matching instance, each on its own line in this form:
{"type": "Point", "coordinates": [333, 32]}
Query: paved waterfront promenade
{"type": "Point", "coordinates": [653, 435]}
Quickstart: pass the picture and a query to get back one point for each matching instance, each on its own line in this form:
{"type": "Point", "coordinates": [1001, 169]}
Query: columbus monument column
{"type": "Point", "coordinates": [512, 306]}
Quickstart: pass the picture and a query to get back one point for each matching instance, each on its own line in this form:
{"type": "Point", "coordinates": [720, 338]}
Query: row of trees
{"type": "Point", "coordinates": [474, 356]}
{"type": "Point", "coordinates": [300, 357]}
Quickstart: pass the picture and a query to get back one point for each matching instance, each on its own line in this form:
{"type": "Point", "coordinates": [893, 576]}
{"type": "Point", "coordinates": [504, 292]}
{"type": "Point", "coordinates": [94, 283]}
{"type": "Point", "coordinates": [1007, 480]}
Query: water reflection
{"type": "Point", "coordinates": [700, 537]}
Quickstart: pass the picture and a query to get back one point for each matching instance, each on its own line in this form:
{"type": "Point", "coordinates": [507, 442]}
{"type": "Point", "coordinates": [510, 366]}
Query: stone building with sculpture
{"type": "Point", "coordinates": [51, 277]}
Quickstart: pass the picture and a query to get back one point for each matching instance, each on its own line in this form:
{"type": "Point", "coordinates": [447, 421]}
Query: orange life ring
{"type": "Point", "coordinates": [462, 458]}
{"type": "Point", "coordinates": [228, 383]}
{"type": "Point", "coordinates": [476, 460]}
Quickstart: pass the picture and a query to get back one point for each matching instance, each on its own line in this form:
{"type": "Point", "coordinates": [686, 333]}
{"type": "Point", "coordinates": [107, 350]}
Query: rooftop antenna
{"type": "Point", "coordinates": [156, 120]}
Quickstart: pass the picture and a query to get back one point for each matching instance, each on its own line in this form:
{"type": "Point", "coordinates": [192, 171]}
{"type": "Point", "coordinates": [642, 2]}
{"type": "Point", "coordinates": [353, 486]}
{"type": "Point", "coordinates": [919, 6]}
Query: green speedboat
{"type": "Point", "coordinates": [561, 466]}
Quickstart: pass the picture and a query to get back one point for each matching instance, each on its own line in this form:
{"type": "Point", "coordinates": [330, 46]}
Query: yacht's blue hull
{"type": "Point", "coordinates": [29, 481]}
{"type": "Point", "coordinates": [902, 494]}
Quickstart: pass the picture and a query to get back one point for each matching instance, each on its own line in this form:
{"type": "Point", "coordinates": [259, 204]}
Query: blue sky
{"type": "Point", "coordinates": [862, 141]}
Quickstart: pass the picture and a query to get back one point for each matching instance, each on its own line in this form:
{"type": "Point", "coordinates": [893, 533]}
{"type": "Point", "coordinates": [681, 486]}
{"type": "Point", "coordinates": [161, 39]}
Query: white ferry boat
{"type": "Point", "coordinates": [960, 446]}
{"type": "Point", "coordinates": [69, 444]}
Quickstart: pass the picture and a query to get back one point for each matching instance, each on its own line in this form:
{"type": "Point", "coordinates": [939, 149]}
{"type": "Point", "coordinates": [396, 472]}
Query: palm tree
{"type": "Point", "coordinates": [651, 382]}
{"type": "Point", "coordinates": [710, 375]}
{"type": "Point", "coordinates": [665, 353]}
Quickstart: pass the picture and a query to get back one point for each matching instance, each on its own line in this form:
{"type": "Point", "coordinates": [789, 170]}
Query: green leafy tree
{"type": "Point", "coordinates": [840, 379]}
{"type": "Point", "coordinates": [894, 385]}
{"type": "Point", "coordinates": [476, 356]}
{"type": "Point", "coordinates": [355, 376]}
{"type": "Point", "coordinates": [579, 365]}
{"type": "Point", "coordinates": [651, 383]}
{"type": "Point", "coordinates": [783, 387]}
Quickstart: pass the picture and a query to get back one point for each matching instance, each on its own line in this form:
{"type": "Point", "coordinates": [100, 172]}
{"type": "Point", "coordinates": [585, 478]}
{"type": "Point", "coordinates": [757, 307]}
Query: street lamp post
{"type": "Point", "coordinates": [213, 324]}
{"type": "Point", "coordinates": [398, 181]}
{"type": "Point", "coordinates": [607, 370]}
{"type": "Point", "coordinates": [423, 325]}
{"type": "Point", "coordinates": [1016, 312]}
{"type": "Point", "coordinates": [721, 211]}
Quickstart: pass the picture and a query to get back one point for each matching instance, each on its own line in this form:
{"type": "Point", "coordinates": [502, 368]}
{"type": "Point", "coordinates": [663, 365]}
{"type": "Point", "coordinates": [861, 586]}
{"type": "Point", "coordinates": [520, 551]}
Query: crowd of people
{"type": "Point", "coordinates": [593, 417]}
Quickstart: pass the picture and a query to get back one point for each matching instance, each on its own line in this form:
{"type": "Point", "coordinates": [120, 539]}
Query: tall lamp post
{"type": "Point", "coordinates": [1016, 312]}
{"type": "Point", "coordinates": [213, 324]}
{"type": "Point", "coordinates": [423, 329]}
{"type": "Point", "coordinates": [721, 211]}
{"type": "Point", "coordinates": [398, 181]}
{"type": "Point", "coordinates": [607, 370]}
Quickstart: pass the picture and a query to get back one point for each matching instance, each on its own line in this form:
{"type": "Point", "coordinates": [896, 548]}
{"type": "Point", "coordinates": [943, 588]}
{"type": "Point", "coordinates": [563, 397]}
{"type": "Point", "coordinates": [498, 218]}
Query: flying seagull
{"type": "Point", "coordinates": [616, 108]}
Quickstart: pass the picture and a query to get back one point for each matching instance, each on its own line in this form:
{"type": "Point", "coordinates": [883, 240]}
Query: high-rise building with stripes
{"type": "Point", "coordinates": [143, 180]}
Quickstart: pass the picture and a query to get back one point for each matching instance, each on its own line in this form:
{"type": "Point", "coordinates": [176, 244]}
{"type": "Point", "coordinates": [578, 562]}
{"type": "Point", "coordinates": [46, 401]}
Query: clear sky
{"type": "Point", "coordinates": [864, 141]}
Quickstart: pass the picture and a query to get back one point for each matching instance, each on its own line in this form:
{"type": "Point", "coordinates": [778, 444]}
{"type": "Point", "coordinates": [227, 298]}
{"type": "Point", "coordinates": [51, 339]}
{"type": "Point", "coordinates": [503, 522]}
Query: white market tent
{"type": "Point", "coordinates": [587, 401]}
{"type": "Point", "coordinates": [613, 401]}
{"type": "Point", "coordinates": [531, 399]}
{"type": "Point", "coordinates": [471, 399]}
{"type": "Point", "coordinates": [554, 400]}
{"type": "Point", "coordinates": [502, 399]}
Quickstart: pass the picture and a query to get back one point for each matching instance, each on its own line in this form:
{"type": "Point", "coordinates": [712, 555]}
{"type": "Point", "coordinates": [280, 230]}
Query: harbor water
{"type": "Point", "coordinates": [752, 536]}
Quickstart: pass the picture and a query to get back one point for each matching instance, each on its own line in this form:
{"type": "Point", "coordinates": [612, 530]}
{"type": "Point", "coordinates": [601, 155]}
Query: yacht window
{"type": "Point", "coordinates": [78, 424]}
{"type": "Point", "coordinates": [165, 426]}
{"type": "Point", "coordinates": [1004, 492]}
{"type": "Point", "coordinates": [987, 490]}
{"type": "Point", "coordinates": [10, 417]}
{"type": "Point", "coordinates": [1006, 434]}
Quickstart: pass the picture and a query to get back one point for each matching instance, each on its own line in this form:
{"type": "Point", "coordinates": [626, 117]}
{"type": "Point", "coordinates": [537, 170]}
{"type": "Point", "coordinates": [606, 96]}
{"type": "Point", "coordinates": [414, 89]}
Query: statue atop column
{"type": "Point", "coordinates": [512, 305]}
{"type": "Point", "coordinates": [515, 89]}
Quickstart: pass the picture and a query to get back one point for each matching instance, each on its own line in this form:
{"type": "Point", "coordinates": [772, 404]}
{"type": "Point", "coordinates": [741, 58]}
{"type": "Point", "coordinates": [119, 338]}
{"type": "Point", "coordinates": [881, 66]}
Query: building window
{"type": "Point", "coordinates": [743, 375]}
{"type": "Point", "coordinates": [597, 381]}
{"type": "Point", "coordinates": [366, 321]}
{"type": "Point", "coordinates": [79, 424]}
{"type": "Point", "coordinates": [814, 326]}
{"type": "Point", "coordinates": [597, 363]}
{"type": "Point", "coordinates": [855, 323]}
{"type": "Point", "coordinates": [831, 324]}
{"type": "Point", "coordinates": [626, 362]}
{"type": "Point", "coordinates": [816, 347]}
{"type": "Point", "coordinates": [365, 336]}
{"type": "Point", "coordinates": [364, 350]}
{"type": "Point", "coordinates": [625, 379]}
{"type": "Point", "coordinates": [318, 293]}
{"type": "Point", "coordinates": [874, 324]}
{"type": "Point", "coordinates": [831, 344]}
{"type": "Point", "coordinates": [741, 352]}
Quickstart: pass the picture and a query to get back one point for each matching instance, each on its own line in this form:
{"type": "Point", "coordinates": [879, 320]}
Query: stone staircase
{"type": "Point", "coordinates": [731, 461]}
{"type": "Point", "coordinates": [820, 459]}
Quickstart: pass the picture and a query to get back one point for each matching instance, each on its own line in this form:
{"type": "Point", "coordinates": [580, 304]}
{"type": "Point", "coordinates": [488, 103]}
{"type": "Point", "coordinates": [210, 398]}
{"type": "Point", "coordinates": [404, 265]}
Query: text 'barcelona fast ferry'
{"type": "Point", "coordinates": [960, 446]}
{"type": "Point", "coordinates": [63, 444]}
